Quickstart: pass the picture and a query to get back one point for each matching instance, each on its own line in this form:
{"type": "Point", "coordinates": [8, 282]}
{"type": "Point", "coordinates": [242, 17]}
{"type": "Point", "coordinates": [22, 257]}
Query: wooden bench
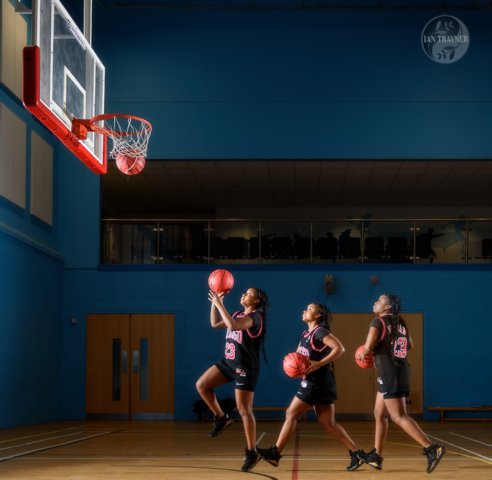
{"type": "Point", "coordinates": [205, 414]}
{"type": "Point", "coordinates": [444, 417]}
{"type": "Point", "coordinates": [271, 409]}
{"type": "Point", "coordinates": [277, 409]}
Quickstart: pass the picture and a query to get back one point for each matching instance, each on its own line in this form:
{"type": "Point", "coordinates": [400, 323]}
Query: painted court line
{"type": "Point", "coordinates": [47, 439]}
{"type": "Point", "coordinates": [471, 439]}
{"type": "Point", "coordinates": [32, 435]}
{"type": "Point", "coordinates": [488, 459]}
{"type": "Point", "coordinates": [295, 461]}
{"type": "Point", "coordinates": [41, 449]}
{"type": "Point", "coordinates": [192, 459]}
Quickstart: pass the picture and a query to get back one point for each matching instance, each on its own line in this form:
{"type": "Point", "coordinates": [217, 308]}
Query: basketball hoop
{"type": "Point", "coordinates": [129, 134]}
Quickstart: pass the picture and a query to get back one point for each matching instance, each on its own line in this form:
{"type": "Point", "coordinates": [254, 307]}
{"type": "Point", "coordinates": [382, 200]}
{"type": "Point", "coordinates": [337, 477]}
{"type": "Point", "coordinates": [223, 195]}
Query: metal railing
{"type": "Point", "coordinates": [352, 240]}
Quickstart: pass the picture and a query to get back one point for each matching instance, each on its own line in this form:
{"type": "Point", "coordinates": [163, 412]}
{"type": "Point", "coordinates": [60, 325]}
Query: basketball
{"type": "Point", "coordinates": [221, 281]}
{"type": "Point", "coordinates": [129, 165]}
{"type": "Point", "coordinates": [369, 360]}
{"type": "Point", "coordinates": [295, 364]}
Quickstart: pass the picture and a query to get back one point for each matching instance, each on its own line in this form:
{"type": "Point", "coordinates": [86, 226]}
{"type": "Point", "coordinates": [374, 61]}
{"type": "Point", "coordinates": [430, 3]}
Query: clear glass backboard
{"type": "Point", "coordinates": [64, 79]}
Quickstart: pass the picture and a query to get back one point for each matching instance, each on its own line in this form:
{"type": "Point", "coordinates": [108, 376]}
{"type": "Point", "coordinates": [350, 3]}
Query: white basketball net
{"type": "Point", "coordinates": [130, 136]}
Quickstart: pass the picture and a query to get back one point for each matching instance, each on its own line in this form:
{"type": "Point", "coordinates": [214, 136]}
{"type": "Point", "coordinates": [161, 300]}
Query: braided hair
{"type": "Point", "coordinates": [396, 320]}
{"type": "Point", "coordinates": [325, 315]}
{"type": "Point", "coordinates": [263, 305]}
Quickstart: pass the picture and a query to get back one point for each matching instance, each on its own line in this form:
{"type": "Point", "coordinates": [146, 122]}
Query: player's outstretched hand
{"type": "Point", "coordinates": [215, 298]}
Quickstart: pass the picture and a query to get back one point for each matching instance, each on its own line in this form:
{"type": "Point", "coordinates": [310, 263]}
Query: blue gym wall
{"type": "Point", "coordinates": [341, 84]}
{"type": "Point", "coordinates": [248, 84]}
{"type": "Point", "coordinates": [35, 259]}
{"type": "Point", "coordinates": [454, 302]}
{"type": "Point", "coordinates": [31, 278]}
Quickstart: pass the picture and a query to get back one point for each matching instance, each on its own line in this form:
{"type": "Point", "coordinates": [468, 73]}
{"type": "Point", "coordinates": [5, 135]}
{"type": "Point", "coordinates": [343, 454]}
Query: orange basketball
{"type": "Point", "coordinates": [221, 281]}
{"type": "Point", "coordinates": [295, 364]}
{"type": "Point", "coordinates": [129, 165]}
{"type": "Point", "coordinates": [368, 361]}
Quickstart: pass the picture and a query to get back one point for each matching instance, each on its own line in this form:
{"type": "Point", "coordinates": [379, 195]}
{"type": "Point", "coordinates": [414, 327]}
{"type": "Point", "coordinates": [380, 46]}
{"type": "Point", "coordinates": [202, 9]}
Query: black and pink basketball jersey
{"type": "Point", "coordinates": [398, 347]}
{"type": "Point", "coordinates": [242, 347]}
{"type": "Point", "coordinates": [311, 345]}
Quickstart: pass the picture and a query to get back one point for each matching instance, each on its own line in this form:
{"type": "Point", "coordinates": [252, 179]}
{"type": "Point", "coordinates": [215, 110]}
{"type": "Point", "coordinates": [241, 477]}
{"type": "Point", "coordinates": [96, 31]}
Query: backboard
{"type": "Point", "coordinates": [63, 78]}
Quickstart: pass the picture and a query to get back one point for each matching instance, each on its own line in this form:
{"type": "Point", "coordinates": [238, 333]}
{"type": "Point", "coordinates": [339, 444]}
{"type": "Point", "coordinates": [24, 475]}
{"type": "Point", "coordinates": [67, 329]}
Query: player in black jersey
{"type": "Point", "coordinates": [241, 364]}
{"type": "Point", "coordinates": [317, 388]}
{"type": "Point", "coordinates": [389, 339]}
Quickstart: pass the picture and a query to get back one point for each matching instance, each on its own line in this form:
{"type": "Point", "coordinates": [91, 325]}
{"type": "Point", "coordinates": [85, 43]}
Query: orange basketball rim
{"type": "Point", "coordinates": [130, 134]}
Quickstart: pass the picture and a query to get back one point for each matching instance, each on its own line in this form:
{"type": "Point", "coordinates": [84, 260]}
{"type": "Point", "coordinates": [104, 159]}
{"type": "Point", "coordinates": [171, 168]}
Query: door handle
{"type": "Point", "coordinates": [124, 362]}
{"type": "Point", "coordinates": [135, 361]}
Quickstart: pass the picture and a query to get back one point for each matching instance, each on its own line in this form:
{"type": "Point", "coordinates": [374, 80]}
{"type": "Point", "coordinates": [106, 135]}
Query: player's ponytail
{"type": "Point", "coordinates": [395, 303]}
{"type": "Point", "coordinates": [263, 303]}
{"type": "Point", "coordinates": [262, 306]}
{"type": "Point", "coordinates": [324, 315]}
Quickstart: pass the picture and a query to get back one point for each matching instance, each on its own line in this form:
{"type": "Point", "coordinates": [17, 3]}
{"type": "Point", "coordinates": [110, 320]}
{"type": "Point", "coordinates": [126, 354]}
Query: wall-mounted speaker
{"type": "Point", "coordinates": [329, 283]}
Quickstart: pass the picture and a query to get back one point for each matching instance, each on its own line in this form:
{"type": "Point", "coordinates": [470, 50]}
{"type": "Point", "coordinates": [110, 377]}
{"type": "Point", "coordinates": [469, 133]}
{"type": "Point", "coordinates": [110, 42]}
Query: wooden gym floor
{"type": "Point", "coordinates": [101, 450]}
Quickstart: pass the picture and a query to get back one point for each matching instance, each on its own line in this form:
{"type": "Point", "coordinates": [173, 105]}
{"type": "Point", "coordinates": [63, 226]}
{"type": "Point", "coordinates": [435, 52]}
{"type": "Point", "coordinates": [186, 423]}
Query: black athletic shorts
{"type": "Point", "coordinates": [315, 393]}
{"type": "Point", "coordinates": [243, 379]}
{"type": "Point", "coordinates": [394, 379]}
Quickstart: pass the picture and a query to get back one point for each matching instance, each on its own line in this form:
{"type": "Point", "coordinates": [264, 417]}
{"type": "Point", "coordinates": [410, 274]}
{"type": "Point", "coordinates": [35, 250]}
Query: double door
{"type": "Point", "coordinates": [130, 366]}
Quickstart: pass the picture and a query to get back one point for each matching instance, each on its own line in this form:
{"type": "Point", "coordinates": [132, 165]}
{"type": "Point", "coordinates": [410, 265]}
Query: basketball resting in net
{"type": "Point", "coordinates": [129, 134]}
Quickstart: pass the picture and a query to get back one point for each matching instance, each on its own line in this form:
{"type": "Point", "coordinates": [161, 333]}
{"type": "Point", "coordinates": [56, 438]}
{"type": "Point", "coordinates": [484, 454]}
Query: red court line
{"type": "Point", "coordinates": [295, 461]}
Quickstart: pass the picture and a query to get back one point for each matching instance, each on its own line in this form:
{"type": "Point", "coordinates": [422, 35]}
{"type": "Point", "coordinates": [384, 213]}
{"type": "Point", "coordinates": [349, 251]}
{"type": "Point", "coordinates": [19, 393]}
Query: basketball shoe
{"type": "Point", "coordinates": [271, 455]}
{"type": "Point", "coordinates": [357, 458]}
{"type": "Point", "coordinates": [220, 424]}
{"type": "Point", "coordinates": [434, 454]}
{"type": "Point", "coordinates": [251, 458]}
{"type": "Point", "coordinates": [373, 459]}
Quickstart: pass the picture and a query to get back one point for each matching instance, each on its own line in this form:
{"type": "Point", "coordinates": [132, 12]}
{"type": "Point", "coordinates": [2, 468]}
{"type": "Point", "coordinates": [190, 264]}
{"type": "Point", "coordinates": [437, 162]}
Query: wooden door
{"type": "Point", "coordinates": [130, 366]}
{"type": "Point", "coordinates": [107, 378]}
{"type": "Point", "coordinates": [152, 371]}
{"type": "Point", "coordinates": [357, 386]}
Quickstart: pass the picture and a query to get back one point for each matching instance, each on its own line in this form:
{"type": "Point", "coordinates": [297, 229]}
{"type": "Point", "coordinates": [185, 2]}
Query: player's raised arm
{"type": "Point", "coordinates": [216, 300]}
{"type": "Point", "coordinates": [222, 318]}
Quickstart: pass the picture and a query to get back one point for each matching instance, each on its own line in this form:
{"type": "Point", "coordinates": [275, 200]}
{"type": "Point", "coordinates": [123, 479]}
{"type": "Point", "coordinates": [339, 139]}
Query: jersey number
{"type": "Point", "coordinates": [230, 351]}
{"type": "Point", "coordinates": [400, 348]}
